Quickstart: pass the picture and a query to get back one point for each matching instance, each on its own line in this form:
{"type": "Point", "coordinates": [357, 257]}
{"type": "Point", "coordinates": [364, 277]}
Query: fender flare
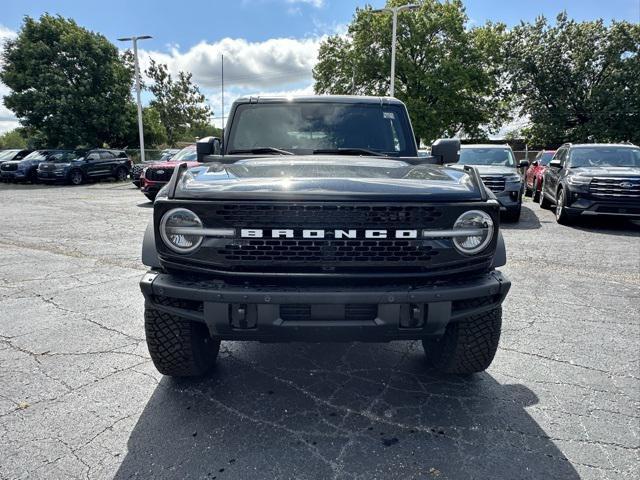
{"type": "Point", "coordinates": [500, 255]}
{"type": "Point", "coordinates": [149, 253]}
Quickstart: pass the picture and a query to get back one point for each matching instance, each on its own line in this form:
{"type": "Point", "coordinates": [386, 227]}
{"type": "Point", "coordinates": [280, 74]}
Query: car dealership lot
{"type": "Point", "coordinates": [80, 398]}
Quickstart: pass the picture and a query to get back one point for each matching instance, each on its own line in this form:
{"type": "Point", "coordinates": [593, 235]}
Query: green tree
{"type": "Point", "coordinates": [14, 139]}
{"type": "Point", "coordinates": [448, 74]}
{"type": "Point", "coordinates": [154, 132]}
{"type": "Point", "coordinates": [67, 83]}
{"type": "Point", "coordinates": [178, 101]}
{"type": "Point", "coordinates": [576, 81]}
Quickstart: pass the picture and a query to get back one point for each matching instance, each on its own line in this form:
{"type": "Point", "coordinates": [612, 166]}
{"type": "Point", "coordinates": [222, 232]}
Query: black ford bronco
{"type": "Point", "coordinates": [314, 219]}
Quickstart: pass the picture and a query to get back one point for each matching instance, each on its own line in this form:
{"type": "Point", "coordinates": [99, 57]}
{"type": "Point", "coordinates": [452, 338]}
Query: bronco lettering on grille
{"type": "Point", "coordinates": [315, 233]}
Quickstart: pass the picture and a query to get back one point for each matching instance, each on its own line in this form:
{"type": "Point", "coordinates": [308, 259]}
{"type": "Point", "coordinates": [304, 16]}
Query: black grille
{"type": "Point", "coordinates": [323, 215]}
{"type": "Point", "coordinates": [305, 312]}
{"type": "Point", "coordinates": [46, 167]}
{"type": "Point", "coordinates": [328, 255]}
{"type": "Point", "coordinates": [329, 252]}
{"type": "Point", "coordinates": [154, 174]}
{"type": "Point", "coordinates": [615, 188]}
{"type": "Point", "coordinates": [9, 167]}
{"type": "Point", "coordinates": [494, 183]}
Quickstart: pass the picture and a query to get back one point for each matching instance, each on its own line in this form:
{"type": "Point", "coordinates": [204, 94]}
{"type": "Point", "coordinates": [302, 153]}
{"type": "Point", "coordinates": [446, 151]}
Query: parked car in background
{"type": "Point", "coordinates": [13, 154]}
{"type": "Point", "coordinates": [157, 175]}
{"type": "Point", "coordinates": [533, 175]}
{"type": "Point", "coordinates": [423, 153]}
{"type": "Point", "coordinates": [593, 179]}
{"type": "Point", "coordinates": [137, 169]}
{"type": "Point", "coordinates": [79, 167]}
{"type": "Point", "coordinates": [499, 171]}
{"type": "Point", "coordinates": [25, 170]}
{"type": "Point", "coordinates": [168, 154]}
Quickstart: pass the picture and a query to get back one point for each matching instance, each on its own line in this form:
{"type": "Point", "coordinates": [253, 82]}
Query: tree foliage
{"type": "Point", "coordinates": [448, 74]}
{"type": "Point", "coordinates": [178, 101]}
{"type": "Point", "coordinates": [67, 83]}
{"type": "Point", "coordinates": [576, 81]}
{"type": "Point", "coordinates": [15, 138]}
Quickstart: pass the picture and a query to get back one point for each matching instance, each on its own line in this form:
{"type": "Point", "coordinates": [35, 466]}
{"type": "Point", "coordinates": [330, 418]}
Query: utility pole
{"type": "Point", "coordinates": [394, 11]}
{"type": "Point", "coordinates": [137, 74]}
{"type": "Point", "coordinates": [222, 96]}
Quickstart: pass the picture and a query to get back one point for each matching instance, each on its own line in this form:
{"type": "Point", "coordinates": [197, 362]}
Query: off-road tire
{"type": "Point", "coordinates": [179, 347]}
{"type": "Point", "coordinates": [527, 191]}
{"type": "Point", "coordinates": [467, 346]}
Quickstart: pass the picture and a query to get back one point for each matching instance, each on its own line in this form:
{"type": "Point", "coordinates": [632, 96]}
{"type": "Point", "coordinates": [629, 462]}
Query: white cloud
{"type": "Point", "coordinates": [313, 3]}
{"type": "Point", "coordinates": [8, 120]}
{"type": "Point", "coordinates": [258, 65]}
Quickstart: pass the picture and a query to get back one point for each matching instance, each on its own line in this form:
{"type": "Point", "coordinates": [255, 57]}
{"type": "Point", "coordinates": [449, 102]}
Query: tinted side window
{"type": "Point", "coordinates": [93, 156]}
{"type": "Point", "coordinates": [106, 155]}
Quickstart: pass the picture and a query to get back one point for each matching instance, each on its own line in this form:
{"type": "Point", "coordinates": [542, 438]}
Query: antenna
{"type": "Point", "coordinates": [222, 96]}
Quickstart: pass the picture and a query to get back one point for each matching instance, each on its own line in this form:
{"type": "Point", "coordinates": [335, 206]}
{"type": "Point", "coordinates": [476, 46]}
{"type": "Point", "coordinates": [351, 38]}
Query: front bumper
{"type": "Point", "coordinates": [588, 206]}
{"type": "Point", "coordinates": [281, 313]}
{"type": "Point", "coordinates": [52, 176]}
{"type": "Point", "coordinates": [151, 186]}
{"type": "Point", "coordinates": [13, 175]}
{"type": "Point", "coordinates": [510, 197]}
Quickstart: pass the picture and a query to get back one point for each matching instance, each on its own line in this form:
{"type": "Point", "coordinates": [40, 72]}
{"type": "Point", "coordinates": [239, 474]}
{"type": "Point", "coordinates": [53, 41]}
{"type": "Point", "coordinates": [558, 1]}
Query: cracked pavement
{"type": "Point", "coordinates": [79, 397]}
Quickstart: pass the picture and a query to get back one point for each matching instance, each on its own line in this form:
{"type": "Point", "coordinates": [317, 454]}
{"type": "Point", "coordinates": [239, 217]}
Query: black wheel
{"type": "Point", "coordinates": [535, 194]}
{"type": "Point", "coordinates": [121, 174]}
{"type": "Point", "coordinates": [33, 176]}
{"type": "Point", "coordinates": [512, 215]}
{"type": "Point", "coordinates": [179, 347]}
{"type": "Point", "coordinates": [544, 203]}
{"type": "Point", "coordinates": [151, 196]}
{"type": "Point", "coordinates": [76, 177]}
{"type": "Point", "coordinates": [467, 346]}
{"type": "Point", "coordinates": [527, 190]}
{"type": "Point", "coordinates": [562, 216]}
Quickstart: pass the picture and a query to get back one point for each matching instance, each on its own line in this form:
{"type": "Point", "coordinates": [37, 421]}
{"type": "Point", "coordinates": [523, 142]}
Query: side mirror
{"type": "Point", "coordinates": [523, 164]}
{"type": "Point", "coordinates": [555, 163]}
{"type": "Point", "coordinates": [208, 146]}
{"type": "Point", "coordinates": [447, 150]}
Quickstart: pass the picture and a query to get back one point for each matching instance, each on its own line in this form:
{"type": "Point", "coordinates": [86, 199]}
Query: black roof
{"type": "Point", "coordinates": [322, 99]}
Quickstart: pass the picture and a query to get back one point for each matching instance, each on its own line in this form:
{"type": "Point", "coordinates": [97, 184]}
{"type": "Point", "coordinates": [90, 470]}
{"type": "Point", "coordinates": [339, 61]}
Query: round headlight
{"type": "Point", "coordinates": [174, 229]}
{"type": "Point", "coordinates": [474, 231]}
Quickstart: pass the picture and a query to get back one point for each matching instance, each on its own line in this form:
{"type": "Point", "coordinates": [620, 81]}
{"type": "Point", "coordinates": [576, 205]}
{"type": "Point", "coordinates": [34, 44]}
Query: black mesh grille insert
{"type": "Point", "coordinates": [328, 251]}
{"type": "Point", "coordinates": [322, 215]}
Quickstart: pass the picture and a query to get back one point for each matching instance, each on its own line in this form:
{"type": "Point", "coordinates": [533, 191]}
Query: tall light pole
{"type": "Point", "coordinates": [394, 11]}
{"type": "Point", "coordinates": [137, 73]}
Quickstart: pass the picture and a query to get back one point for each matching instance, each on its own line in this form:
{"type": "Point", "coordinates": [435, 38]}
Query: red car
{"type": "Point", "coordinates": [533, 175]}
{"type": "Point", "coordinates": [158, 174]}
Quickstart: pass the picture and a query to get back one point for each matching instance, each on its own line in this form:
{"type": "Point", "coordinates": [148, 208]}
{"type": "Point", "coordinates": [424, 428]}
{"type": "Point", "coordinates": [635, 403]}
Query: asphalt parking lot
{"type": "Point", "coordinates": [79, 397]}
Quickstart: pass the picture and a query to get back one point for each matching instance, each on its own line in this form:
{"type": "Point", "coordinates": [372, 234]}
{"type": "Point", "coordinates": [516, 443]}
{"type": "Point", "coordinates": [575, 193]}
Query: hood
{"type": "Point", "coordinates": [169, 164]}
{"type": "Point", "coordinates": [607, 171]}
{"type": "Point", "coordinates": [491, 169]}
{"type": "Point", "coordinates": [326, 177]}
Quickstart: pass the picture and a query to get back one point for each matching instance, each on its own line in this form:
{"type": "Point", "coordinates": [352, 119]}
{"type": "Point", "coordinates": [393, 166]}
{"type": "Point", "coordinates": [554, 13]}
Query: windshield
{"type": "Point", "coordinates": [36, 156]}
{"type": "Point", "coordinates": [62, 157]}
{"type": "Point", "coordinates": [604, 157]}
{"type": "Point", "coordinates": [187, 154]}
{"type": "Point", "coordinates": [545, 158]}
{"type": "Point", "coordinates": [8, 154]}
{"type": "Point", "coordinates": [302, 128]}
{"type": "Point", "coordinates": [487, 156]}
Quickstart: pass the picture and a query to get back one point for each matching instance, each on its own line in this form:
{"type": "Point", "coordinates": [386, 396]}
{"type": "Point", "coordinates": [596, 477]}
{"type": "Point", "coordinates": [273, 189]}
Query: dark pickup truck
{"type": "Point", "coordinates": [314, 219]}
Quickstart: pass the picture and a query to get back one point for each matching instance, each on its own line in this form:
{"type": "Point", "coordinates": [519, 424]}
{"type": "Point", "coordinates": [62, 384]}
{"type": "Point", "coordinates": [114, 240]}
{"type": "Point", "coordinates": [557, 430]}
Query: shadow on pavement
{"type": "Point", "coordinates": [310, 411]}
{"type": "Point", "coordinates": [145, 205]}
{"type": "Point", "coordinates": [528, 220]}
{"type": "Point", "coordinates": [608, 225]}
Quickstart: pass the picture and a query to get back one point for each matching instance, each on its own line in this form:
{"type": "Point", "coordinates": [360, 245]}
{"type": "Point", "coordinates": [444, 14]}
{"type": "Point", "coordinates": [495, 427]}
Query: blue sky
{"type": "Point", "coordinates": [269, 45]}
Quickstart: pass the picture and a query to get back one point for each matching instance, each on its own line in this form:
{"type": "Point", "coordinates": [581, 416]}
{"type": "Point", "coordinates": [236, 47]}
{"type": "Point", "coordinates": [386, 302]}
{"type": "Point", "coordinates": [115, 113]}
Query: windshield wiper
{"type": "Point", "coordinates": [349, 151]}
{"type": "Point", "coordinates": [259, 150]}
